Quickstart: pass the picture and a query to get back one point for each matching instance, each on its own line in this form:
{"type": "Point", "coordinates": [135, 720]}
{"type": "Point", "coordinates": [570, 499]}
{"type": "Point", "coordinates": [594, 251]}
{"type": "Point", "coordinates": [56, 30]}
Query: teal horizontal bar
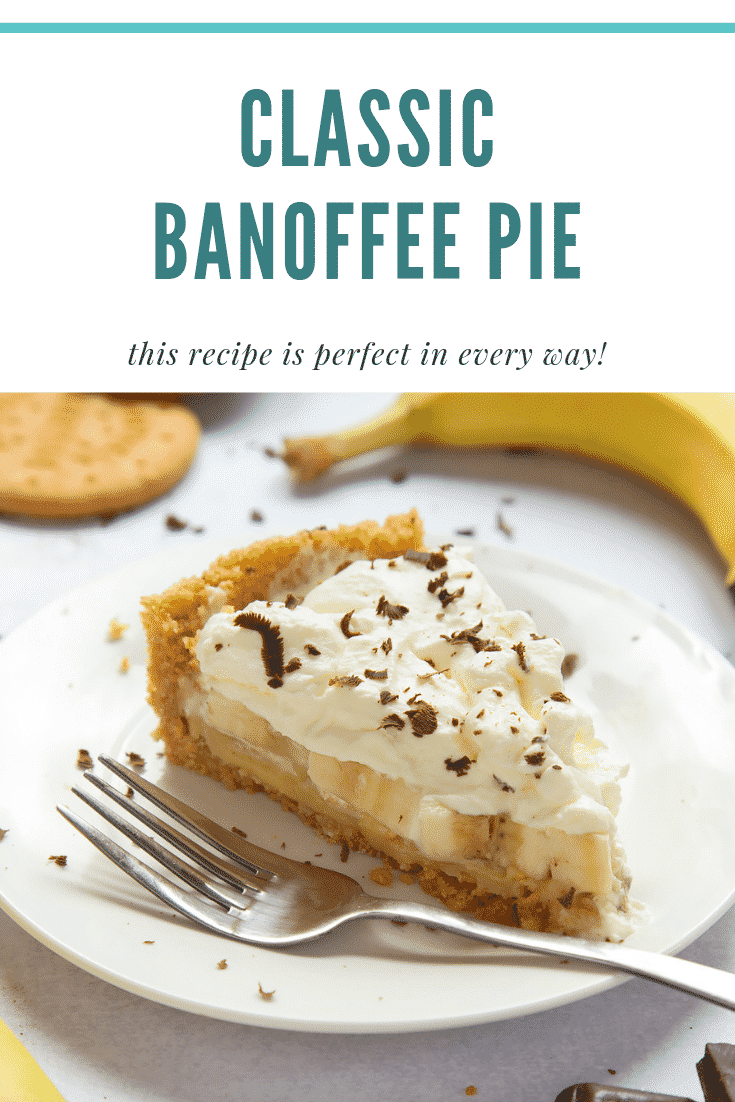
{"type": "Point", "coordinates": [367, 28]}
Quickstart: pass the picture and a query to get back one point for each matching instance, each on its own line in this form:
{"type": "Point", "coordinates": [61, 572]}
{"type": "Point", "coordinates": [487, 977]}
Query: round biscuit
{"type": "Point", "coordinates": [74, 455]}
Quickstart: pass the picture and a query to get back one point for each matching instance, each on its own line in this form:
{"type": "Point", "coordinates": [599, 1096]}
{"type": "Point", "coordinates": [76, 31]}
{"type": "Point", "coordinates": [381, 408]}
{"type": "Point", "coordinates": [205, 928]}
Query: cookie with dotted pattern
{"type": "Point", "coordinates": [74, 455]}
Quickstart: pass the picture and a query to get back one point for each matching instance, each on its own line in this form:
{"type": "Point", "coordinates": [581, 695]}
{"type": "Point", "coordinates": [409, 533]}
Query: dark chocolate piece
{"type": "Point", "coordinates": [393, 612]}
{"type": "Point", "coordinates": [432, 560]}
{"type": "Point", "coordinates": [717, 1073]}
{"type": "Point", "coordinates": [594, 1092]}
{"type": "Point", "coordinates": [271, 650]}
{"type": "Point", "coordinates": [345, 626]}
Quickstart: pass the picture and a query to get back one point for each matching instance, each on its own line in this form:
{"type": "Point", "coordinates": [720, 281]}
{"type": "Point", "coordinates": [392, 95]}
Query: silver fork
{"type": "Point", "coordinates": [249, 894]}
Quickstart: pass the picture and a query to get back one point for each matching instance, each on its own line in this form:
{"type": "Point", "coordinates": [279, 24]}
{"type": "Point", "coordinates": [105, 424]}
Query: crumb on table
{"type": "Point", "coordinates": [222, 964]}
{"type": "Point", "coordinates": [84, 759]}
{"type": "Point", "coordinates": [267, 995]}
{"type": "Point", "coordinates": [124, 665]}
{"type": "Point", "coordinates": [116, 630]}
{"type": "Point", "coordinates": [58, 859]}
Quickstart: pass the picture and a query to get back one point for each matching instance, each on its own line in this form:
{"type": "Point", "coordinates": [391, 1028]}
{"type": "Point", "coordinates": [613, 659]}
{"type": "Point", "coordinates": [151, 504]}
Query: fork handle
{"type": "Point", "coordinates": [684, 975]}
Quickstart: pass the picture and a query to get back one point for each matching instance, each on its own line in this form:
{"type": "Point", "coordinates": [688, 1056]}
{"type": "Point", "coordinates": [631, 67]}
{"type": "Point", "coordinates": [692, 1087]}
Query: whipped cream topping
{"type": "Point", "coordinates": [413, 667]}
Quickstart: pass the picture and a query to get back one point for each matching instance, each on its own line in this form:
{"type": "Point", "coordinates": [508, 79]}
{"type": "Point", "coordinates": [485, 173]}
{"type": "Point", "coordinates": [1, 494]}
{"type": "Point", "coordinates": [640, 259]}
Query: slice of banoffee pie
{"type": "Point", "coordinates": [383, 693]}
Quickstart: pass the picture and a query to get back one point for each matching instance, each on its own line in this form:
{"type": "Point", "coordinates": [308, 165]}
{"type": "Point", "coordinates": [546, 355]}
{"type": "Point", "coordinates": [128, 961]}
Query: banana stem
{"type": "Point", "coordinates": [309, 456]}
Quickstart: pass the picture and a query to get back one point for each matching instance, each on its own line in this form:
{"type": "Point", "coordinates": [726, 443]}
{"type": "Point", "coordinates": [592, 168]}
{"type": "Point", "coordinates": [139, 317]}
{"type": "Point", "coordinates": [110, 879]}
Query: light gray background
{"type": "Point", "coordinates": [97, 1042]}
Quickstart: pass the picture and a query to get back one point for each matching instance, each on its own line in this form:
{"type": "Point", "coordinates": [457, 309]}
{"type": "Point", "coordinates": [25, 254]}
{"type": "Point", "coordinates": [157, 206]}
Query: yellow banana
{"type": "Point", "coordinates": [684, 443]}
{"type": "Point", "coordinates": [21, 1079]}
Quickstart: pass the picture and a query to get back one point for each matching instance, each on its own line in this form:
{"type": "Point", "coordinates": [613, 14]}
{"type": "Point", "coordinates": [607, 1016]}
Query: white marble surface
{"type": "Point", "coordinates": [98, 1042]}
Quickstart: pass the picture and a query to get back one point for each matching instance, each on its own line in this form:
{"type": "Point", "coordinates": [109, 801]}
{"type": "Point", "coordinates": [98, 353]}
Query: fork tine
{"type": "Point", "coordinates": [254, 858]}
{"type": "Point", "coordinates": [234, 875]}
{"type": "Point", "coordinates": [204, 884]}
{"type": "Point", "coordinates": [184, 902]}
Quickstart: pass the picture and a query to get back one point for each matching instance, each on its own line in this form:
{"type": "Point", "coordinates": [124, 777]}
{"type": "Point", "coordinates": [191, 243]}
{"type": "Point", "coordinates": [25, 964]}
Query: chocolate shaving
{"type": "Point", "coordinates": [535, 759]}
{"type": "Point", "coordinates": [376, 675]}
{"type": "Point", "coordinates": [469, 635]}
{"type": "Point", "coordinates": [350, 682]}
{"type": "Point", "coordinates": [560, 698]}
{"type": "Point", "coordinates": [520, 649]}
{"type": "Point", "coordinates": [291, 601]}
{"type": "Point", "coordinates": [505, 787]}
{"type": "Point", "coordinates": [271, 650]}
{"type": "Point", "coordinates": [569, 665]}
{"type": "Point", "coordinates": [345, 626]}
{"type": "Point", "coordinates": [446, 597]}
{"type": "Point", "coordinates": [84, 759]}
{"type": "Point", "coordinates": [501, 525]}
{"type": "Point", "coordinates": [387, 697]}
{"type": "Point", "coordinates": [436, 582]}
{"type": "Point", "coordinates": [566, 899]}
{"type": "Point", "coordinates": [460, 766]}
{"type": "Point", "coordinates": [218, 646]}
{"type": "Point", "coordinates": [294, 664]}
{"type": "Point", "coordinates": [174, 524]}
{"type": "Point", "coordinates": [386, 646]}
{"type": "Point", "coordinates": [311, 649]}
{"type": "Point", "coordinates": [393, 612]}
{"type": "Point", "coordinates": [392, 721]}
{"type": "Point", "coordinates": [423, 718]}
{"type": "Point", "coordinates": [432, 560]}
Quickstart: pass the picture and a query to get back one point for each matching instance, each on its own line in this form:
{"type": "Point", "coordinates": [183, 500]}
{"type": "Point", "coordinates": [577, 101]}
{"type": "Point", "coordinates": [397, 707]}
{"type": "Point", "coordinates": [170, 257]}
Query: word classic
{"type": "Point", "coordinates": [390, 238]}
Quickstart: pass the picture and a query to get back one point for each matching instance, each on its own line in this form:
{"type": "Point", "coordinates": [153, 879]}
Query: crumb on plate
{"type": "Point", "coordinates": [382, 875]}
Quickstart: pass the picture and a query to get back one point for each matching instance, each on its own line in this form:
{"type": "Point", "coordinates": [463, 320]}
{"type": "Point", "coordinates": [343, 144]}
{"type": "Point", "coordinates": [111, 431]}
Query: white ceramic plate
{"type": "Point", "coordinates": [660, 696]}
